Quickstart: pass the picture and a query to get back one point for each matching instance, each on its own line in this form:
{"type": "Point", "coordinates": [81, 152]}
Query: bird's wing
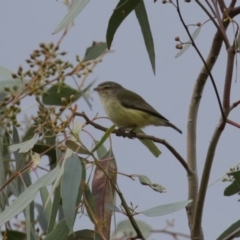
{"type": "Point", "coordinates": [132, 100]}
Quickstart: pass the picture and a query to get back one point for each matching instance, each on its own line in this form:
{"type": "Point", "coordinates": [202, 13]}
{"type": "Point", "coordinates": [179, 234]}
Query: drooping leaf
{"type": "Point", "coordinates": [95, 51]}
{"type": "Point", "coordinates": [104, 137]}
{"type": "Point", "coordinates": [165, 209]}
{"type": "Point", "coordinates": [149, 144]}
{"type": "Point", "coordinates": [2, 169]}
{"type": "Point", "coordinates": [90, 206]}
{"type": "Point", "coordinates": [24, 146]}
{"type": "Point", "coordinates": [142, 17]}
{"type": "Point", "coordinates": [103, 189]}
{"type": "Point", "coordinates": [76, 7]}
{"type": "Point", "coordinates": [125, 229]}
{"type": "Point", "coordinates": [122, 10]}
{"type": "Point", "coordinates": [27, 196]}
{"type": "Point", "coordinates": [55, 208]}
{"type": "Point", "coordinates": [85, 235]}
{"type": "Point", "coordinates": [101, 151]}
{"type": "Point", "coordinates": [232, 232]}
{"type": "Point", "coordinates": [60, 232]}
{"type": "Point", "coordinates": [69, 188]}
{"type": "Point", "coordinates": [187, 45]}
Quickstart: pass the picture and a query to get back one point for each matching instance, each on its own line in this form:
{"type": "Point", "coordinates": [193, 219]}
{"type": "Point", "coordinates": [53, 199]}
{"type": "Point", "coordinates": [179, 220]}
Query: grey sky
{"type": "Point", "coordinates": [24, 24]}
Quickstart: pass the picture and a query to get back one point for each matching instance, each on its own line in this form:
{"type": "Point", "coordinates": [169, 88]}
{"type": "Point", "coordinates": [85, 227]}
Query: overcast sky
{"type": "Point", "coordinates": [24, 24]}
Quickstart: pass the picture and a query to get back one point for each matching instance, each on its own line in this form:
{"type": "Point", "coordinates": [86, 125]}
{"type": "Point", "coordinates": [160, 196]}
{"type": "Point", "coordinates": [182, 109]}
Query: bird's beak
{"type": "Point", "coordinates": [96, 89]}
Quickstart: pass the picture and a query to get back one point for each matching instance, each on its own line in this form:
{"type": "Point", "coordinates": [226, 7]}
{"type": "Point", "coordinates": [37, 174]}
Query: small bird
{"type": "Point", "coordinates": [127, 109]}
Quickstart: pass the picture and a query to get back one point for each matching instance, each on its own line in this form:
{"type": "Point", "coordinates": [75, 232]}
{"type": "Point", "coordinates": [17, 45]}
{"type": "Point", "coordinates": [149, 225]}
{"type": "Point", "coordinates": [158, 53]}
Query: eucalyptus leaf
{"type": "Point", "coordinates": [24, 146]}
{"type": "Point", "coordinates": [122, 10]}
{"type": "Point", "coordinates": [60, 232]}
{"type": "Point", "coordinates": [165, 209]}
{"type": "Point", "coordinates": [142, 17]}
{"type": "Point", "coordinates": [104, 137]}
{"type": "Point", "coordinates": [231, 232]}
{"type": "Point", "coordinates": [149, 144]}
{"type": "Point", "coordinates": [144, 180]}
{"type": "Point", "coordinates": [76, 7]}
{"type": "Point", "coordinates": [69, 188]}
{"type": "Point", "coordinates": [85, 234]}
{"type": "Point", "coordinates": [76, 147]}
{"type": "Point", "coordinates": [187, 45]}
{"type": "Point", "coordinates": [27, 196]}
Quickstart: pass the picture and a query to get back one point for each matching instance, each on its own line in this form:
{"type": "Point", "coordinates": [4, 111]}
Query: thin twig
{"type": "Point", "coordinates": [131, 135]}
{"type": "Point", "coordinates": [200, 55]}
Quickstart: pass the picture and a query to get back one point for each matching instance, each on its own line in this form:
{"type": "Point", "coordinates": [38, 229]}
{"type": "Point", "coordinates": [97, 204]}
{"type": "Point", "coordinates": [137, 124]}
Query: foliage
{"type": "Point", "coordinates": [83, 178]}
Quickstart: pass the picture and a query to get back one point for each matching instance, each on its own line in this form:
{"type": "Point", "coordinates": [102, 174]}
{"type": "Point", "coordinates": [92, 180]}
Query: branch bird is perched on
{"type": "Point", "coordinates": [127, 109]}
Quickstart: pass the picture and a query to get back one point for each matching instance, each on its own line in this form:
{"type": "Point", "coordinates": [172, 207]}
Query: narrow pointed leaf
{"type": "Point", "coordinates": [149, 144]}
{"type": "Point", "coordinates": [122, 10]}
{"type": "Point", "coordinates": [142, 17]}
{"type": "Point", "coordinates": [103, 190]}
{"type": "Point", "coordinates": [187, 45]}
{"type": "Point", "coordinates": [232, 232]}
{"type": "Point", "coordinates": [76, 7]}
{"type": "Point", "coordinates": [69, 188]}
{"type": "Point", "coordinates": [104, 138]}
{"type": "Point", "coordinates": [165, 209]}
{"type": "Point", "coordinates": [24, 146]}
{"type": "Point", "coordinates": [27, 196]}
{"type": "Point", "coordinates": [112, 207]}
{"type": "Point", "coordinates": [90, 206]}
{"type": "Point", "coordinates": [101, 151]}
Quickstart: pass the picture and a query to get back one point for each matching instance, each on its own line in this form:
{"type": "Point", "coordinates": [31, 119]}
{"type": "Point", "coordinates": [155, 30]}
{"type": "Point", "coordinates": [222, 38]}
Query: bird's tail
{"type": "Point", "coordinates": [173, 126]}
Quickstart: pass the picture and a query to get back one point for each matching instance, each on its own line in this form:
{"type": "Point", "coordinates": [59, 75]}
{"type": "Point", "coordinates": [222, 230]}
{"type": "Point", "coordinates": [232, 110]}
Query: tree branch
{"type": "Point", "coordinates": [131, 135]}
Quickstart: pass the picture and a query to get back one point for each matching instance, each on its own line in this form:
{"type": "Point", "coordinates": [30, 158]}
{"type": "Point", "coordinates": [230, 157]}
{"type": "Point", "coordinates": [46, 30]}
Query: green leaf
{"type": "Point", "coordinates": [41, 218]}
{"type": "Point", "coordinates": [54, 210]}
{"type": "Point", "coordinates": [101, 151]}
{"type": "Point", "coordinates": [187, 45]}
{"type": "Point", "coordinates": [27, 196]}
{"type": "Point", "coordinates": [95, 51]}
{"type": "Point", "coordinates": [165, 209]}
{"type": "Point", "coordinates": [91, 209]}
{"type": "Point", "coordinates": [144, 180]}
{"type": "Point", "coordinates": [23, 146]}
{"type": "Point", "coordinates": [125, 229]}
{"type": "Point", "coordinates": [2, 169]}
{"type": "Point", "coordinates": [76, 147]}
{"type": "Point", "coordinates": [104, 137]}
{"type": "Point", "coordinates": [231, 232]}
{"type": "Point", "coordinates": [234, 187]}
{"type": "Point", "coordinates": [14, 235]}
{"type": "Point", "coordinates": [121, 11]}
{"type": "Point", "coordinates": [149, 144]}
{"type": "Point", "coordinates": [85, 235]}
{"type": "Point", "coordinates": [142, 17]}
{"type": "Point", "coordinates": [158, 188]}
{"type": "Point", "coordinates": [76, 7]}
{"type": "Point", "coordinates": [69, 188]}
{"type": "Point", "coordinates": [54, 95]}
{"type": "Point", "coordinates": [60, 232]}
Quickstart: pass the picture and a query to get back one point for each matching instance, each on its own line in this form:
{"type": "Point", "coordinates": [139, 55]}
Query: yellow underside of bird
{"type": "Point", "coordinates": [130, 118]}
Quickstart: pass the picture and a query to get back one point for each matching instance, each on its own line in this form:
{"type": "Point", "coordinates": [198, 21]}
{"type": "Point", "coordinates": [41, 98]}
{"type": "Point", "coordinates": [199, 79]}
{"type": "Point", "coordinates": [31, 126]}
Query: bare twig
{"type": "Point", "coordinates": [140, 136]}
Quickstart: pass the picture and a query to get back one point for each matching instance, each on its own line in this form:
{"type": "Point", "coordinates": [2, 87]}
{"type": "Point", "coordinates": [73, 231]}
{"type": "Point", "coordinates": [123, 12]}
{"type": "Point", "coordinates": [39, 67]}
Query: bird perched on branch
{"type": "Point", "coordinates": [127, 109]}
